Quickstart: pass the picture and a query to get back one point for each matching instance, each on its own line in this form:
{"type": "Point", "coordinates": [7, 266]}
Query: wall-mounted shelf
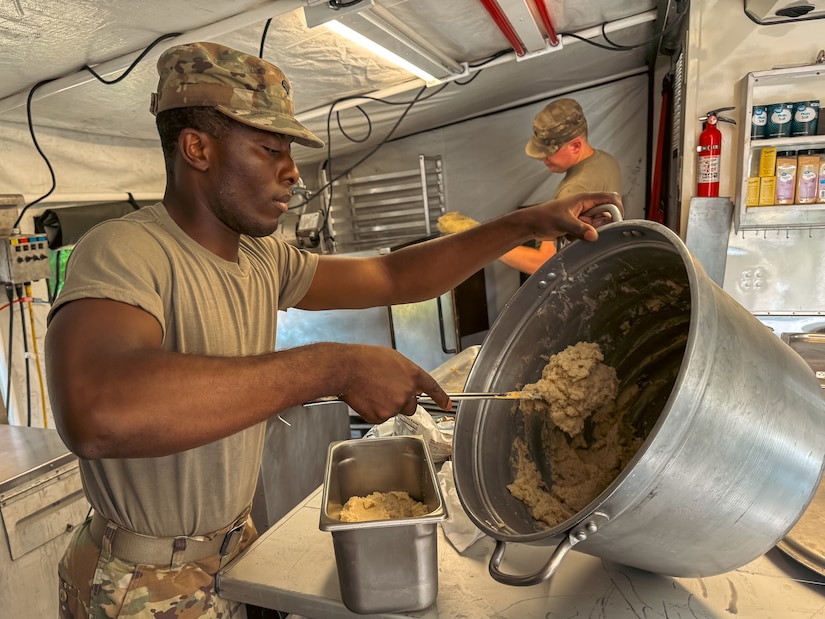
{"type": "Point", "coordinates": [762, 88]}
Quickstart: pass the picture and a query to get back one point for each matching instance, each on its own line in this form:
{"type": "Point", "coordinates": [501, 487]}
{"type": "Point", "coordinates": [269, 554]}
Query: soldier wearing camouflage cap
{"type": "Point", "coordinates": [560, 141]}
{"type": "Point", "coordinates": [558, 123]}
{"type": "Point", "coordinates": [244, 87]}
{"type": "Point", "coordinates": [161, 351]}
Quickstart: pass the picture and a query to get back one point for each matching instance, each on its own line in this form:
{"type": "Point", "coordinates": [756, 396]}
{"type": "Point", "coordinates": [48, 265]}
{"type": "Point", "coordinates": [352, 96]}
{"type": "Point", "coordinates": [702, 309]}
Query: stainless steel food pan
{"type": "Point", "coordinates": [383, 565]}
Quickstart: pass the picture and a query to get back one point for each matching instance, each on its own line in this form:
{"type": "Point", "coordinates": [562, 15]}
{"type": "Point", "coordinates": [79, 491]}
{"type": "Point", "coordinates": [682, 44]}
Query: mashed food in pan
{"type": "Point", "coordinates": [382, 506]}
{"type": "Point", "coordinates": [586, 439]}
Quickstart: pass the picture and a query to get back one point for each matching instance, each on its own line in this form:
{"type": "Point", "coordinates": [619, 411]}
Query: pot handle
{"type": "Point", "coordinates": [530, 579]}
{"type": "Point", "coordinates": [577, 534]}
{"type": "Point", "coordinates": [614, 211]}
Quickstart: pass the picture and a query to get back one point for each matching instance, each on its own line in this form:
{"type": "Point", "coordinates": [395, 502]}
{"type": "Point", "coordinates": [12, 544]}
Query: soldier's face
{"type": "Point", "coordinates": [562, 160]}
{"type": "Point", "coordinates": [253, 173]}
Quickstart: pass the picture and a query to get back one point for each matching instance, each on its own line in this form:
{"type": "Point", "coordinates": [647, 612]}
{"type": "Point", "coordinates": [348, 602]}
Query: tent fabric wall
{"type": "Point", "coordinates": [487, 173]}
{"type": "Point", "coordinates": [99, 167]}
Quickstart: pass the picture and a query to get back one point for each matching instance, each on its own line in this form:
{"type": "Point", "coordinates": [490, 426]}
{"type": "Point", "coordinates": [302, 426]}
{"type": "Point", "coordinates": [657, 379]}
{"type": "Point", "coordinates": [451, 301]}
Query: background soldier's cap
{"type": "Point", "coordinates": [244, 87]}
{"type": "Point", "coordinates": [559, 122]}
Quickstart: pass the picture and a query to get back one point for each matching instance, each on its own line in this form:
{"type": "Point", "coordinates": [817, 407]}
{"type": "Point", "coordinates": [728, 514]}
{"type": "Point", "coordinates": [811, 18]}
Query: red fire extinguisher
{"type": "Point", "coordinates": [710, 153]}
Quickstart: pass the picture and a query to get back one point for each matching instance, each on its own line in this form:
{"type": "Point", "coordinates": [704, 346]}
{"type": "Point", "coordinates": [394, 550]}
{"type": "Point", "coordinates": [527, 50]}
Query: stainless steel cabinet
{"type": "Point", "coordinates": [41, 502]}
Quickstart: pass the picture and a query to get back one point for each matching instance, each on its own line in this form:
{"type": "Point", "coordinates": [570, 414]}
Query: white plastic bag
{"type": "Point", "coordinates": [458, 528]}
{"type": "Point", "coordinates": [439, 435]}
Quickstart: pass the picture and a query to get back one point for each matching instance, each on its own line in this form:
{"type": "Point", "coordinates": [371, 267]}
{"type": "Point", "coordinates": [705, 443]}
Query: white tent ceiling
{"type": "Point", "coordinates": [71, 110]}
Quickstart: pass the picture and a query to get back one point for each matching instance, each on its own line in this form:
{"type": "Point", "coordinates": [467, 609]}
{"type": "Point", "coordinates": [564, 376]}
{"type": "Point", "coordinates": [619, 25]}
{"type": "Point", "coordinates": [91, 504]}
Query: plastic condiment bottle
{"type": "Point", "coordinates": [785, 177]}
{"type": "Point", "coordinates": [807, 176]}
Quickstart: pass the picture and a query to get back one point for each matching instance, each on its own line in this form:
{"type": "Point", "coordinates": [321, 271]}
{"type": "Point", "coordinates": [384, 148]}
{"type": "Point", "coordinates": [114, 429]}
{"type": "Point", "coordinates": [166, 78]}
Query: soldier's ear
{"type": "Point", "coordinates": [576, 145]}
{"type": "Point", "coordinates": [193, 147]}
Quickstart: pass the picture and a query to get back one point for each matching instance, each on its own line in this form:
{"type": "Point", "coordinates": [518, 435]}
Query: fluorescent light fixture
{"type": "Point", "coordinates": [358, 38]}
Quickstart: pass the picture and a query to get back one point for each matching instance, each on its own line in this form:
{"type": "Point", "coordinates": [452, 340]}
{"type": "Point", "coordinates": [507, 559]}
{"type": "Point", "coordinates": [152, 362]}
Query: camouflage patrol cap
{"type": "Point", "coordinates": [244, 87]}
{"type": "Point", "coordinates": [559, 122]}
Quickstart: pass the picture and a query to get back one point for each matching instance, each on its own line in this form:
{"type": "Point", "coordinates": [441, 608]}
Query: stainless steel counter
{"type": "Point", "coordinates": [291, 567]}
{"type": "Point", "coordinates": [41, 502]}
{"type": "Point", "coordinates": [29, 452]}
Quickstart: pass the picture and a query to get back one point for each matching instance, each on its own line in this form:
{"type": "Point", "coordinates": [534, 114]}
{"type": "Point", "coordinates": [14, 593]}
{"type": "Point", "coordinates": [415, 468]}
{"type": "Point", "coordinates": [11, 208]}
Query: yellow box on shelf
{"type": "Point", "coordinates": [752, 198]}
{"type": "Point", "coordinates": [767, 162]}
{"type": "Point", "coordinates": [767, 188]}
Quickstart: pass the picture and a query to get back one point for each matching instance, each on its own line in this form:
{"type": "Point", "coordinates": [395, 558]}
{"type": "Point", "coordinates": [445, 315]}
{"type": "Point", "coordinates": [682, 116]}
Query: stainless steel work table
{"type": "Point", "coordinates": [291, 567]}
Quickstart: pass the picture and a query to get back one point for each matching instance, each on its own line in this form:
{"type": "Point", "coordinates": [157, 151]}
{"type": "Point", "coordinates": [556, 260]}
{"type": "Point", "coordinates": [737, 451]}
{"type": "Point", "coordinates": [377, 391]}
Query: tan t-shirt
{"type": "Point", "coordinates": [599, 172]}
{"type": "Point", "coordinates": [204, 305]}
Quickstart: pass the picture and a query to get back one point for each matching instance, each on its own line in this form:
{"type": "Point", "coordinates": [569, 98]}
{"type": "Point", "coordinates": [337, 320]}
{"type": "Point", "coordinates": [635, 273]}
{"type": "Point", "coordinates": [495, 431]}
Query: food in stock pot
{"type": "Point", "coordinates": [382, 506]}
{"type": "Point", "coordinates": [573, 385]}
{"type": "Point", "coordinates": [586, 437]}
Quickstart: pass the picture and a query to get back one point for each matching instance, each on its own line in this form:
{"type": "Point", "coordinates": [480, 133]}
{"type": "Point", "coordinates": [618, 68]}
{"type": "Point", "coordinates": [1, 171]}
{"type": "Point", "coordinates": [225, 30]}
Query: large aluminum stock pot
{"type": "Point", "coordinates": [733, 419]}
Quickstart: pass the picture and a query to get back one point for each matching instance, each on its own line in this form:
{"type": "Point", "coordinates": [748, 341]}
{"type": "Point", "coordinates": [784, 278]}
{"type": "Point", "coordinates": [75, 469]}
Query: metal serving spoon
{"type": "Point", "coordinates": [460, 395]}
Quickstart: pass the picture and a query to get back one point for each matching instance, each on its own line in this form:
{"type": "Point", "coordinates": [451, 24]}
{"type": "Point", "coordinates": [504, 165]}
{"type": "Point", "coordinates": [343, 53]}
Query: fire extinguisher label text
{"type": "Point", "coordinates": [708, 169]}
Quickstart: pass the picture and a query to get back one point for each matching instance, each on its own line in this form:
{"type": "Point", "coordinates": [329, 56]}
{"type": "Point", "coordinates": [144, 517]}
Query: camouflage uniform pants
{"type": "Point", "coordinates": [135, 591]}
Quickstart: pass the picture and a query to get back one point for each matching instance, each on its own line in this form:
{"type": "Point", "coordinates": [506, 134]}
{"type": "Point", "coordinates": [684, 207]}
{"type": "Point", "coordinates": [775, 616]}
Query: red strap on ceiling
{"type": "Point", "coordinates": [504, 25]}
{"type": "Point", "coordinates": [548, 23]}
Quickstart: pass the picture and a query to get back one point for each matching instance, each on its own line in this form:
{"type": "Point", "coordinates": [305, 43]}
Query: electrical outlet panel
{"type": "Point", "coordinates": [24, 258]}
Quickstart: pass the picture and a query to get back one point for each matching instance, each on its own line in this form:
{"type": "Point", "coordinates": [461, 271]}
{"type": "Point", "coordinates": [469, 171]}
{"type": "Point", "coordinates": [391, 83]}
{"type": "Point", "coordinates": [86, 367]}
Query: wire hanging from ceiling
{"type": "Point", "coordinates": [328, 186]}
{"type": "Point", "coordinates": [34, 88]}
{"type": "Point", "coordinates": [617, 47]}
{"type": "Point", "coordinates": [263, 38]}
{"type": "Point", "coordinates": [337, 4]}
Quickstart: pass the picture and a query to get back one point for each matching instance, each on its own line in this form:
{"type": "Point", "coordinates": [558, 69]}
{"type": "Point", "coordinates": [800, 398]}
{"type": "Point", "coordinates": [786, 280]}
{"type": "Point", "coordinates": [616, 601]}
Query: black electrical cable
{"type": "Point", "coordinates": [616, 47]}
{"type": "Point", "coordinates": [19, 290]}
{"type": "Point", "coordinates": [10, 296]}
{"type": "Point", "coordinates": [337, 4]}
{"type": "Point", "coordinates": [610, 48]}
{"type": "Point", "coordinates": [31, 125]}
{"type": "Point", "coordinates": [348, 136]}
{"type": "Point", "coordinates": [468, 80]}
{"type": "Point", "coordinates": [263, 38]}
{"type": "Point", "coordinates": [39, 150]}
{"type": "Point", "coordinates": [371, 152]}
{"type": "Point", "coordinates": [409, 105]}
{"type": "Point", "coordinates": [677, 20]}
{"type": "Point", "coordinates": [132, 201]}
{"type": "Point", "coordinates": [142, 55]}
{"type": "Point", "coordinates": [522, 105]}
{"type": "Point", "coordinates": [329, 184]}
{"type": "Point", "coordinates": [369, 121]}
{"type": "Point", "coordinates": [328, 163]}
{"type": "Point", "coordinates": [495, 56]}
